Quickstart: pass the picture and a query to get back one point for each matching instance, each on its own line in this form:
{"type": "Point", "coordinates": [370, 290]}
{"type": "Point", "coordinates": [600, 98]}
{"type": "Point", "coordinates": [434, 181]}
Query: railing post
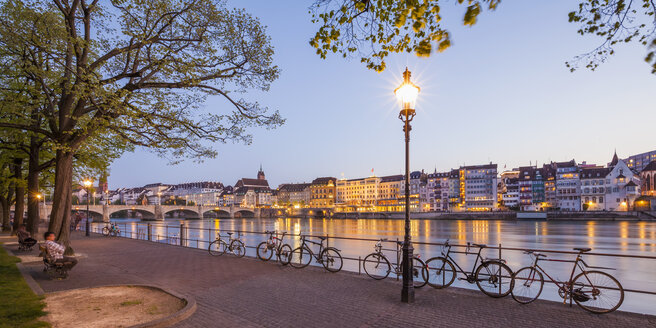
{"type": "Point", "coordinates": [181, 233]}
{"type": "Point", "coordinates": [150, 232]}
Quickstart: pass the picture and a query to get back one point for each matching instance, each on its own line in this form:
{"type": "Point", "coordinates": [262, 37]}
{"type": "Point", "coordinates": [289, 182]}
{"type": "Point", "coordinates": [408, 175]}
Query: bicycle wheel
{"type": "Point", "coordinates": [238, 248]}
{"type": "Point", "coordinates": [331, 259]}
{"type": "Point", "coordinates": [376, 266]}
{"type": "Point", "coordinates": [597, 292]}
{"type": "Point", "coordinates": [105, 231]}
{"type": "Point", "coordinates": [300, 257]}
{"type": "Point", "coordinates": [419, 273]}
{"type": "Point", "coordinates": [283, 254]}
{"type": "Point", "coordinates": [527, 285]}
{"type": "Point", "coordinates": [494, 279]}
{"type": "Point", "coordinates": [441, 272]}
{"type": "Point", "coordinates": [217, 247]}
{"type": "Point", "coordinates": [264, 252]}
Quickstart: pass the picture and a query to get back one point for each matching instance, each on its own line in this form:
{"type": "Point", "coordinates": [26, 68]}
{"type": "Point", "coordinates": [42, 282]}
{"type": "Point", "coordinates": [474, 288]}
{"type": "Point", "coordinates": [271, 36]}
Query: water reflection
{"type": "Point", "coordinates": [637, 238]}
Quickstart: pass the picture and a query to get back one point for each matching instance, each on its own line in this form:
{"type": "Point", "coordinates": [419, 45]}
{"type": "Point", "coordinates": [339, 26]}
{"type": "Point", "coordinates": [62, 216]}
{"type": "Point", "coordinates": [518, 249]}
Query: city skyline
{"type": "Point", "coordinates": [472, 109]}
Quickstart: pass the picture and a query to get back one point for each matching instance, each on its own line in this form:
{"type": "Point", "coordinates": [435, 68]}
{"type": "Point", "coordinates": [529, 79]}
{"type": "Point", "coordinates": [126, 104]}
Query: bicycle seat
{"type": "Point", "coordinates": [229, 233]}
{"type": "Point", "coordinates": [582, 249]}
{"type": "Point", "coordinates": [322, 238]}
{"type": "Point", "coordinates": [479, 245]}
{"type": "Point", "coordinates": [539, 255]}
{"type": "Point", "coordinates": [400, 243]}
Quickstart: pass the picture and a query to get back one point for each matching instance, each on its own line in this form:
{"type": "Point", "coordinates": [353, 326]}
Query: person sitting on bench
{"type": "Point", "coordinates": [24, 237]}
{"type": "Point", "coordinates": [57, 251]}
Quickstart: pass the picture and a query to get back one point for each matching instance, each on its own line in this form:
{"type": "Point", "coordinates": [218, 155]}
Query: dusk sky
{"type": "Point", "coordinates": [500, 94]}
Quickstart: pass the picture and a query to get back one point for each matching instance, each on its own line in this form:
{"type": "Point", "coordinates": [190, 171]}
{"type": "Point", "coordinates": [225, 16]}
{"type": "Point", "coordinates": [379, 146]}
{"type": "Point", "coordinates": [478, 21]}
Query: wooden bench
{"type": "Point", "coordinates": [54, 269]}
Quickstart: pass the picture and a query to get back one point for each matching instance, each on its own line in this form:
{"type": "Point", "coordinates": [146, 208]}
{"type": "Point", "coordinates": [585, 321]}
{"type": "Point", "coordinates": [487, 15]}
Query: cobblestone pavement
{"type": "Point", "coordinates": [249, 293]}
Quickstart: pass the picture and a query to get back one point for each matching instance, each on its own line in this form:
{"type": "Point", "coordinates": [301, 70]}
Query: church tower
{"type": "Point", "coordinates": [260, 174]}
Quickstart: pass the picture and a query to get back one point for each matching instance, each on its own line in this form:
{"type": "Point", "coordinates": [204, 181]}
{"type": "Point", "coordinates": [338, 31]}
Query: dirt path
{"type": "Point", "coordinates": [109, 306]}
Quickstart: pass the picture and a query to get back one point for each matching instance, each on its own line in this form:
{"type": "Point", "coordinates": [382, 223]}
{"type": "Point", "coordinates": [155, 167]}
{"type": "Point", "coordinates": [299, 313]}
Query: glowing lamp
{"type": "Point", "coordinates": [407, 92]}
{"type": "Point", "coordinates": [87, 183]}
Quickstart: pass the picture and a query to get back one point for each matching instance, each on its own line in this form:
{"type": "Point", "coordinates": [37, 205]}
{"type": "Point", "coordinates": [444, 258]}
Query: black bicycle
{"type": "Point", "coordinates": [378, 267]}
{"type": "Point", "coordinates": [329, 257]}
{"type": "Point", "coordinates": [274, 244]}
{"type": "Point", "coordinates": [595, 291]}
{"type": "Point", "coordinates": [493, 277]}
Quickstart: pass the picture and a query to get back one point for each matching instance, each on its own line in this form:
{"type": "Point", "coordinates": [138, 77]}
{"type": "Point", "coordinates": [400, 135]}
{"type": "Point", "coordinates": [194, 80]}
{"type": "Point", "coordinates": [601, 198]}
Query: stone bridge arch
{"type": "Point", "coordinates": [144, 212]}
{"type": "Point", "coordinates": [244, 213]}
{"type": "Point", "coordinates": [216, 213]}
{"type": "Point", "coordinates": [188, 213]}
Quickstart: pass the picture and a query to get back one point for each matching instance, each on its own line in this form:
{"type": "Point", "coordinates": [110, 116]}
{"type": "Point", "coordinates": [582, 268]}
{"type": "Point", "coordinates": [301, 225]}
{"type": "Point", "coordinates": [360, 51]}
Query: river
{"type": "Point", "coordinates": [612, 237]}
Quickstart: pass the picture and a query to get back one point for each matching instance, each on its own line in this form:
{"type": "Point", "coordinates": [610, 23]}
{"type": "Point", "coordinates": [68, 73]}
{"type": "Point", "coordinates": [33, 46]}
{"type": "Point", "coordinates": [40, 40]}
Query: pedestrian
{"type": "Point", "coordinates": [24, 236]}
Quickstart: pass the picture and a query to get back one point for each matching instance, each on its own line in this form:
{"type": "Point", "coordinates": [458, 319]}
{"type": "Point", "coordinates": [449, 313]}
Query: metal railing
{"type": "Point", "coordinates": [180, 237]}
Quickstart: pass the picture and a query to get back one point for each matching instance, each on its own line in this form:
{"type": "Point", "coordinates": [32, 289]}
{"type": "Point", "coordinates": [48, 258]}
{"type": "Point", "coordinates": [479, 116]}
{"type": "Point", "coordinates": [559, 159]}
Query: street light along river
{"type": "Point", "coordinates": [623, 237]}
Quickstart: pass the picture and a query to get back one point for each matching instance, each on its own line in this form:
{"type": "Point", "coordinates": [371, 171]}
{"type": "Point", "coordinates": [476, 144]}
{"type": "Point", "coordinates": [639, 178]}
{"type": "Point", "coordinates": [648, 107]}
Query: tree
{"type": "Point", "coordinates": [616, 22]}
{"type": "Point", "coordinates": [375, 29]}
{"type": "Point", "coordinates": [143, 82]}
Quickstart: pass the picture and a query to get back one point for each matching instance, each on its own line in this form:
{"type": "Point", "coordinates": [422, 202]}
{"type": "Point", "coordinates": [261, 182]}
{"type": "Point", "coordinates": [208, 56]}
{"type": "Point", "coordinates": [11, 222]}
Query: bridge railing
{"type": "Point", "coordinates": [200, 238]}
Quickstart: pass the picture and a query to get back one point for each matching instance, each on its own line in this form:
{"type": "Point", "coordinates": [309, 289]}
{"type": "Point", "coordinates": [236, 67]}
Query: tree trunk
{"type": "Point", "coordinates": [4, 210]}
{"type": "Point", "coordinates": [60, 217]}
{"type": "Point", "coordinates": [33, 189]}
{"type": "Point", "coordinates": [19, 209]}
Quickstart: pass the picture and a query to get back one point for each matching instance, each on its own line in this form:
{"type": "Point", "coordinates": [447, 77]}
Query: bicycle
{"type": "Point", "coordinates": [272, 245]}
{"type": "Point", "coordinates": [493, 277]}
{"type": "Point", "coordinates": [377, 266]}
{"type": "Point", "coordinates": [594, 291]}
{"type": "Point", "coordinates": [329, 257]}
{"type": "Point", "coordinates": [218, 247]}
{"type": "Point", "coordinates": [111, 229]}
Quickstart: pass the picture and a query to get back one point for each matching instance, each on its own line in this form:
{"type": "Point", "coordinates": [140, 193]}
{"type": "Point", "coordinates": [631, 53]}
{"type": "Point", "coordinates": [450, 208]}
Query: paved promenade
{"type": "Point", "coordinates": [246, 292]}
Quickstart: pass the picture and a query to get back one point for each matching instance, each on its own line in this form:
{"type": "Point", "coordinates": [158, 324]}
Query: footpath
{"type": "Point", "coordinates": [247, 292]}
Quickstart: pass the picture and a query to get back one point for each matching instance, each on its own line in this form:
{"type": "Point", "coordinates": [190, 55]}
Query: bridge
{"type": "Point", "coordinates": [158, 212]}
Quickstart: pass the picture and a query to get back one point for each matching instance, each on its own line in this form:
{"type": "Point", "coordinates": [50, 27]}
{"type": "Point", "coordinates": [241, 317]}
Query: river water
{"type": "Point", "coordinates": [623, 237]}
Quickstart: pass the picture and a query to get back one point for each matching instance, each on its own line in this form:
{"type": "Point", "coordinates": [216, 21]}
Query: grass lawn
{"type": "Point", "coordinates": [19, 306]}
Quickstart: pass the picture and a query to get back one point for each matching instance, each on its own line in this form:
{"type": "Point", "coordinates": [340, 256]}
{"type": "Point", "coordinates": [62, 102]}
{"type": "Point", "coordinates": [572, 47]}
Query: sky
{"type": "Point", "coordinates": [500, 94]}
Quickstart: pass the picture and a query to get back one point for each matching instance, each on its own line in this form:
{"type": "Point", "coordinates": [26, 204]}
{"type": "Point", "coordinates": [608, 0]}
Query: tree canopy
{"type": "Point", "coordinates": [374, 29]}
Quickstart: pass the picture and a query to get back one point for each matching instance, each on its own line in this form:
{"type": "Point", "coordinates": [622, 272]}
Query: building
{"type": "Point", "coordinates": [478, 187]}
{"type": "Point", "coordinates": [183, 189]}
{"type": "Point", "coordinates": [357, 194]}
{"type": "Point", "coordinates": [531, 188]}
{"type": "Point", "coordinates": [593, 188]}
{"type": "Point", "coordinates": [390, 198]}
{"type": "Point", "coordinates": [640, 161]}
{"type": "Point", "coordinates": [549, 176]}
{"type": "Point", "coordinates": [419, 191]}
{"type": "Point", "coordinates": [510, 195]}
{"type": "Point", "coordinates": [323, 192]}
{"type": "Point", "coordinates": [295, 194]}
{"type": "Point", "coordinates": [438, 185]}
{"type": "Point", "coordinates": [648, 178]}
{"type": "Point", "coordinates": [456, 191]}
{"type": "Point", "coordinates": [568, 186]}
{"type": "Point", "coordinates": [253, 192]}
{"type": "Point", "coordinates": [622, 186]}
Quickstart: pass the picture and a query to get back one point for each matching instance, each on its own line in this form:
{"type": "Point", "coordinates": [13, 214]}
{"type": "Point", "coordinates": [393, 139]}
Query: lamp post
{"type": "Point", "coordinates": [87, 184]}
{"type": "Point", "coordinates": [407, 95]}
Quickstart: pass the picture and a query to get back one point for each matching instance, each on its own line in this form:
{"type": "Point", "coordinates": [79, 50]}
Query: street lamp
{"type": "Point", "coordinates": [407, 95]}
{"type": "Point", "coordinates": [87, 184]}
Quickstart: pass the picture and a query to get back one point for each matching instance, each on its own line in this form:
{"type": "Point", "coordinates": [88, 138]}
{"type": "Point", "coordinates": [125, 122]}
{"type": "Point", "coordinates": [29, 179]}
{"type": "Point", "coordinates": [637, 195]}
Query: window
{"type": "Point", "coordinates": [601, 199]}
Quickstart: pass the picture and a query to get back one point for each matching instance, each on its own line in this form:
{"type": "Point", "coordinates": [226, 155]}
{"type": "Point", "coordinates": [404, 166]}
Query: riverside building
{"type": "Point", "coordinates": [322, 192]}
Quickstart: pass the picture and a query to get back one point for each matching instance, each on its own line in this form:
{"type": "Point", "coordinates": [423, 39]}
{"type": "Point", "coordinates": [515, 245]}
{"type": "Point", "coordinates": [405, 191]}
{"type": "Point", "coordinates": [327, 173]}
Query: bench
{"type": "Point", "coordinates": [54, 269]}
